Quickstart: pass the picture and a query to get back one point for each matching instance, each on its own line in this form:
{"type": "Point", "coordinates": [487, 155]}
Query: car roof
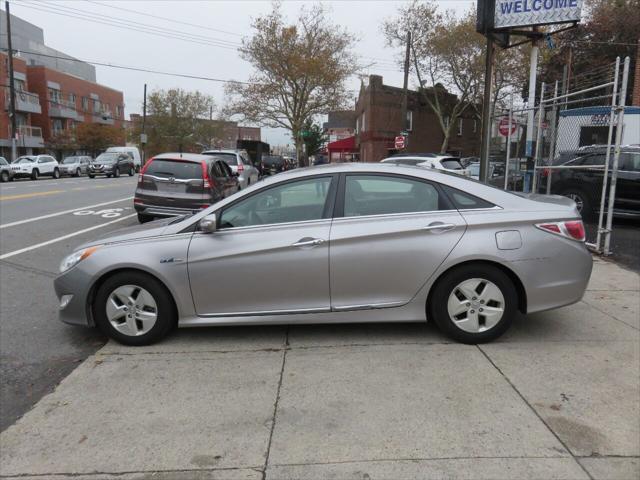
{"type": "Point", "coordinates": [190, 157]}
{"type": "Point", "coordinates": [210, 152]}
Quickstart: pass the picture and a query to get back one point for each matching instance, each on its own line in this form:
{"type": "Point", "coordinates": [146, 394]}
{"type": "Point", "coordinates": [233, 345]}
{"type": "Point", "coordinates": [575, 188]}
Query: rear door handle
{"type": "Point", "coordinates": [308, 242]}
{"type": "Point", "coordinates": [439, 227]}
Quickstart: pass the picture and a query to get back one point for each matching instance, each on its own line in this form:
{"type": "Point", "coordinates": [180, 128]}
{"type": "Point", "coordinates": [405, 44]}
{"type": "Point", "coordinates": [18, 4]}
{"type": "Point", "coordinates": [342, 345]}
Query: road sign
{"type": "Point", "coordinates": [399, 142]}
{"type": "Point", "coordinates": [143, 138]}
{"type": "Point", "coordinates": [503, 127]}
{"type": "Point", "coordinates": [520, 13]}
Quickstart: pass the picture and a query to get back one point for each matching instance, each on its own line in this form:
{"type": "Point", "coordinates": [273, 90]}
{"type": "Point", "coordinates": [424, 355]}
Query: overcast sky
{"type": "Point", "coordinates": [226, 21]}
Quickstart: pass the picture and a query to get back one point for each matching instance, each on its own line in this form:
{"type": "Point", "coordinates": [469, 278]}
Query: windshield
{"type": "Point", "coordinates": [230, 158]}
{"type": "Point", "coordinates": [107, 157]}
{"type": "Point", "coordinates": [3, 161]}
{"type": "Point", "coordinates": [71, 160]}
{"type": "Point", "coordinates": [451, 164]}
{"type": "Point", "coordinates": [25, 160]}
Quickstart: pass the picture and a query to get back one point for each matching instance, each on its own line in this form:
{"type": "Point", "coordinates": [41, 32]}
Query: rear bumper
{"type": "Point", "coordinates": [157, 211]}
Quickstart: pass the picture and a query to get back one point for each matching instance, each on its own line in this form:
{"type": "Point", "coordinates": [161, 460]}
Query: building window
{"type": "Point", "coordinates": [72, 98]}
{"type": "Point", "coordinates": [85, 104]}
{"type": "Point", "coordinates": [118, 111]}
{"type": "Point", "coordinates": [96, 106]}
{"type": "Point", "coordinates": [475, 125]}
{"type": "Point", "coordinates": [459, 127]}
{"type": "Point", "coordinates": [409, 121]}
{"type": "Point", "coordinates": [57, 126]}
{"type": "Point", "coordinates": [363, 125]}
{"type": "Point", "coordinates": [54, 95]}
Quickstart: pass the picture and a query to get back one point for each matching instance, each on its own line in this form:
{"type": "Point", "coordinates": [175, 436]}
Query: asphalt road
{"type": "Point", "coordinates": [40, 222]}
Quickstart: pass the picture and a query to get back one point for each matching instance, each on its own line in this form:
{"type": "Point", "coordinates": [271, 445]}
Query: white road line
{"type": "Point", "coordinates": [88, 207]}
{"type": "Point", "coordinates": [64, 237]}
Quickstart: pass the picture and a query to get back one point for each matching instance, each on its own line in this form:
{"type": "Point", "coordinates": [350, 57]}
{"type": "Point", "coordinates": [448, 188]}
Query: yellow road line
{"type": "Point", "coordinates": [29, 195]}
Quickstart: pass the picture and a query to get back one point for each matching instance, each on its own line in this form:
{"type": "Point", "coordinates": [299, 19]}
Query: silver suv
{"type": "Point", "coordinates": [76, 165]}
{"type": "Point", "coordinates": [240, 163]}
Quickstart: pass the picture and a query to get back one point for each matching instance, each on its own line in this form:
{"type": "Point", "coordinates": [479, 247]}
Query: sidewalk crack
{"type": "Point", "coordinates": [275, 405]}
{"type": "Point", "coordinates": [535, 412]}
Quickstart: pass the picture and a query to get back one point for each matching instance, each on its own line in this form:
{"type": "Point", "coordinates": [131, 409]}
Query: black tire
{"type": "Point", "coordinates": [445, 287]}
{"type": "Point", "coordinates": [4, 176]}
{"type": "Point", "coordinates": [108, 175]}
{"type": "Point", "coordinates": [116, 172]}
{"type": "Point", "coordinates": [166, 312]}
{"type": "Point", "coordinates": [583, 202]}
{"type": "Point", "coordinates": [56, 173]}
{"type": "Point", "coordinates": [78, 172]}
{"type": "Point", "coordinates": [131, 171]}
{"type": "Point", "coordinates": [142, 218]}
{"type": "Point", "coordinates": [35, 174]}
{"type": "Point", "coordinates": [90, 176]}
{"type": "Point", "coordinates": [137, 168]}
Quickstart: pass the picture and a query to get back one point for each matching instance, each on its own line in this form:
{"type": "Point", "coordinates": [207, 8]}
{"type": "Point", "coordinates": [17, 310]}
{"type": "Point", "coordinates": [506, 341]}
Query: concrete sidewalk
{"type": "Point", "coordinates": [557, 397]}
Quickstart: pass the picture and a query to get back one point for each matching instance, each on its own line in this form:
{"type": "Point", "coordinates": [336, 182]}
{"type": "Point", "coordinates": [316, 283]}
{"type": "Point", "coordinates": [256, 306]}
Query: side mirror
{"type": "Point", "coordinates": [208, 224]}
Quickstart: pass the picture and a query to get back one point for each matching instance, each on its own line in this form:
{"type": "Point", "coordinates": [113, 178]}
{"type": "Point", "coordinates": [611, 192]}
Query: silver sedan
{"type": "Point", "coordinates": [336, 243]}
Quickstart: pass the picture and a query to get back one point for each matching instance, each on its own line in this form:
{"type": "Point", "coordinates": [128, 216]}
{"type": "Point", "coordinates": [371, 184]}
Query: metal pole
{"type": "Point", "coordinates": [405, 86]}
{"type": "Point", "coordinates": [144, 123]}
{"type": "Point", "coordinates": [533, 67]}
{"type": "Point", "coordinates": [486, 109]}
{"type": "Point", "coordinates": [506, 164]}
{"type": "Point", "coordinates": [538, 140]}
{"type": "Point", "coordinates": [552, 136]}
{"type": "Point", "coordinates": [12, 88]}
{"type": "Point", "coordinates": [612, 119]}
{"type": "Point", "coordinates": [616, 157]}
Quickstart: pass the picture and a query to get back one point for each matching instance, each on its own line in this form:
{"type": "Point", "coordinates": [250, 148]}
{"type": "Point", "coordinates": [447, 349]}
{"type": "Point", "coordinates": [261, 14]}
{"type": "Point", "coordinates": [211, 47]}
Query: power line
{"type": "Point", "coordinates": [136, 69]}
{"type": "Point", "coordinates": [48, 9]}
{"type": "Point", "coordinates": [163, 18]}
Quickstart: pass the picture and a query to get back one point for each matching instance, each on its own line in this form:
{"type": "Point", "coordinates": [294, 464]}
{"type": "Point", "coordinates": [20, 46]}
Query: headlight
{"type": "Point", "coordinates": [73, 259]}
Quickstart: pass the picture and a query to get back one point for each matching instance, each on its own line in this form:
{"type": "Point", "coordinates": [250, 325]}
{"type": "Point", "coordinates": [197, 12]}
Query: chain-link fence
{"type": "Point", "coordinates": [567, 144]}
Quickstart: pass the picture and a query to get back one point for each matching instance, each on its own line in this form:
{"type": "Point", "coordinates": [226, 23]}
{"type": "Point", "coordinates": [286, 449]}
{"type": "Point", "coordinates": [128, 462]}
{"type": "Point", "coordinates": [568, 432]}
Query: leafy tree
{"type": "Point", "coordinates": [94, 137]}
{"type": "Point", "coordinates": [178, 120]}
{"type": "Point", "coordinates": [300, 71]}
{"type": "Point", "coordinates": [313, 137]}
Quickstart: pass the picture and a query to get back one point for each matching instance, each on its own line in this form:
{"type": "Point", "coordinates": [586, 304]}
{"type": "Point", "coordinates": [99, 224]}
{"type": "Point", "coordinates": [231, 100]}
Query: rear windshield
{"type": "Point", "coordinates": [230, 158]}
{"type": "Point", "coordinates": [451, 164]}
{"type": "Point", "coordinates": [71, 160]}
{"type": "Point", "coordinates": [174, 168]}
{"type": "Point", "coordinates": [272, 159]}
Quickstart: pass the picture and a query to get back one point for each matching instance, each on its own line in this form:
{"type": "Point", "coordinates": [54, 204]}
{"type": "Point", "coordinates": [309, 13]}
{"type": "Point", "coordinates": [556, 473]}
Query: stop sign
{"type": "Point", "coordinates": [503, 126]}
{"type": "Point", "coordinates": [399, 143]}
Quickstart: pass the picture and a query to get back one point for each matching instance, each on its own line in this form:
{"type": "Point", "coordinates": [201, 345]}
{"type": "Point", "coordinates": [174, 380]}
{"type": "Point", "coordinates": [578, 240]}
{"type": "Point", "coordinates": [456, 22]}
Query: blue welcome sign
{"type": "Point", "coordinates": [521, 13]}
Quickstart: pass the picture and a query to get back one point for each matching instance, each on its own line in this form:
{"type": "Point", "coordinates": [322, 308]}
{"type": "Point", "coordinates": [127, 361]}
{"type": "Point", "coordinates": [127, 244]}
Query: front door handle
{"type": "Point", "coordinates": [439, 227]}
{"type": "Point", "coordinates": [308, 242]}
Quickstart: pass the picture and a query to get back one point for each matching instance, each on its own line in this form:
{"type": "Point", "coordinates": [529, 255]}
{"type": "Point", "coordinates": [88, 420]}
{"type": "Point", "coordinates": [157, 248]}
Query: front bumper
{"type": "Point", "coordinates": [77, 284]}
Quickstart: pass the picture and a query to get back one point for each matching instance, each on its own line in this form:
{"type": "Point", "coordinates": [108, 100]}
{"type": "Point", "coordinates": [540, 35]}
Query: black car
{"type": "Point", "coordinates": [182, 183]}
{"type": "Point", "coordinates": [272, 164]}
{"type": "Point", "coordinates": [584, 186]}
{"type": "Point", "coordinates": [6, 173]}
{"type": "Point", "coordinates": [111, 164]}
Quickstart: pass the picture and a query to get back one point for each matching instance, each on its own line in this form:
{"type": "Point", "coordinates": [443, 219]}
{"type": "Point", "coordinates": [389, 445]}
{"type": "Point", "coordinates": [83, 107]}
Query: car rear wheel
{"type": "Point", "coordinates": [583, 202]}
{"type": "Point", "coordinates": [35, 174]}
{"type": "Point", "coordinates": [131, 171]}
{"type": "Point", "coordinates": [91, 176]}
{"type": "Point", "coordinates": [77, 172]}
{"type": "Point", "coordinates": [142, 218]}
{"type": "Point", "coordinates": [4, 176]}
{"type": "Point", "coordinates": [116, 172]}
{"type": "Point", "coordinates": [474, 303]}
{"type": "Point", "coordinates": [56, 173]}
{"type": "Point", "coordinates": [134, 309]}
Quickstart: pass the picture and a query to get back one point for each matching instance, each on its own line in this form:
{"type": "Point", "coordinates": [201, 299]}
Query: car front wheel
{"type": "Point", "coordinates": [4, 176]}
{"type": "Point", "coordinates": [131, 171]}
{"type": "Point", "coordinates": [35, 174]}
{"type": "Point", "coordinates": [474, 303]}
{"type": "Point", "coordinates": [134, 308]}
{"type": "Point", "coordinates": [116, 172]}
{"type": "Point", "coordinates": [583, 202]}
{"type": "Point", "coordinates": [56, 173]}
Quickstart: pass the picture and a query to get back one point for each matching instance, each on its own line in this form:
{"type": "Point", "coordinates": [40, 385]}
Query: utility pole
{"type": "Point", "coordinates": [486, 109]}
{"type": "Point", "coordinates": [405, 86]}
{"type": "Point", "coordinates": [143, 136]}
{"type": "Point", "coordinates": [531, 102]}
{"type": "Point", "coordinates": [12, 88]}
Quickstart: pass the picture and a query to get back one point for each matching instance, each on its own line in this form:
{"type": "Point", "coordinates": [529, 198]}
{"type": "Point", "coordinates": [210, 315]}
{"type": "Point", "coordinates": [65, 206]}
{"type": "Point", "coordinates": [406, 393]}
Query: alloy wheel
{"type": "Point", "coordinates": [578, 199]}
{"type": "Point", "coordinates": [131, 310]}
{"type": "Point", "coordinates": [476, 305]}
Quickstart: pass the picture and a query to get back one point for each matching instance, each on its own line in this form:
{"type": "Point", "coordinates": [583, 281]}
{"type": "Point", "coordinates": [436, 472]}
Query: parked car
{"type": "Point", "coordinates": [584, 186]}
{"type": "Point", "coordinates": [35, 166]}
{"type": "Point", "coordinates": [398, 160]}
{"type": "Point", "coordinates": [75, 165]}
{"type": "Point", "coordinates": [133, 152]}
{"type": "Point", "coordinates": [429, 160]}
{"type": "Point", "coordinates": [350, 242]}
{"type": "Point", "coordinates": [240, 163]}
{"type": "Point", "coordinates": [496, 175]}
{"type": "Point", "coordinates": [6, 174]}
{"type": "Point", "coordinates": [176, 184]}
{"type": "Point", "coordinates": [111, 164]}
{"type": "Point", "coordinates": [272, 164]}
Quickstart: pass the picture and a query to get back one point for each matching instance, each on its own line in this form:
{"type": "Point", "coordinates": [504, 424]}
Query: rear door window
{"type": "Point", "coordinates": [630, 162]}
{"type": "Point", "coordinates": [175, 168]}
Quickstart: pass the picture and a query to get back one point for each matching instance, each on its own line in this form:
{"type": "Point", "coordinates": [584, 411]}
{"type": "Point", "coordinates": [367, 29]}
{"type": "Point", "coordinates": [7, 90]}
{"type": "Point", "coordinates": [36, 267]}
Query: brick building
{"type": "Point", "coordinates": [378, 112]}
{"type": "Point", "coordinates": [340, 124]}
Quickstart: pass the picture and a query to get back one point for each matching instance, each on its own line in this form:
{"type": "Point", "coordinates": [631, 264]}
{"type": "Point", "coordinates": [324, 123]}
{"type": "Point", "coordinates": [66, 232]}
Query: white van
{"type": "Point", "coordinates": [132, 151]}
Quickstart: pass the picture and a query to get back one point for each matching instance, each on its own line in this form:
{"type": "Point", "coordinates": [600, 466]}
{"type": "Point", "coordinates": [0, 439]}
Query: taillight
{"type": "Point", "coordinates": [137, 200]}
{"type": "Point", "coordinates": [205, 176]}
{"type": "Point", "coordinates": [240, 168]}
{"type": "Point", "coordinates": [573, 229]}
{"type": "Point", "coordinates": [144, 169]}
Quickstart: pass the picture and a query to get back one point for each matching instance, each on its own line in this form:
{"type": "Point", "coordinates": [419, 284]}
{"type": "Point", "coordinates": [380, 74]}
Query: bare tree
{"type": "Point", "coordinates": [300, 71]}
